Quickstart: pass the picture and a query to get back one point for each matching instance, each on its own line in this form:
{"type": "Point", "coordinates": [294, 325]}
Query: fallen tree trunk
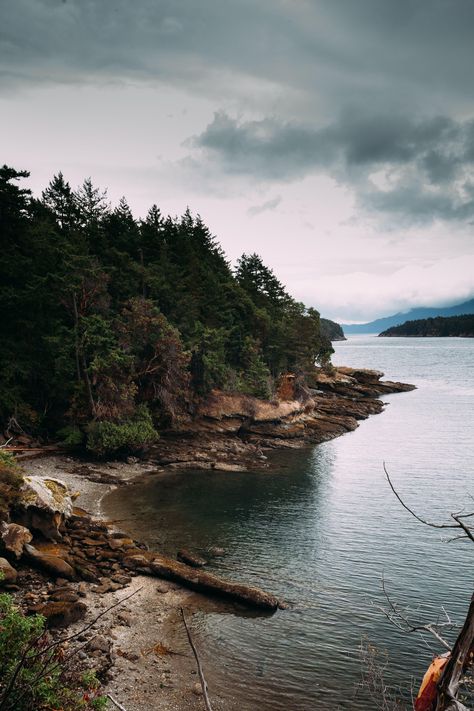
{"type": "Point", "coordinates": [209, 583]}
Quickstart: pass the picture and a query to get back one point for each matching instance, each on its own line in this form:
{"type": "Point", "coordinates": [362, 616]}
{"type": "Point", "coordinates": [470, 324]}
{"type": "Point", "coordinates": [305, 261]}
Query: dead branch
{"type": "Point", "coordinates": [397, 616]}
{"type": "Point", "coordinates": [200, 671]}
{"type": "Point", "coordinates": [457, 517]}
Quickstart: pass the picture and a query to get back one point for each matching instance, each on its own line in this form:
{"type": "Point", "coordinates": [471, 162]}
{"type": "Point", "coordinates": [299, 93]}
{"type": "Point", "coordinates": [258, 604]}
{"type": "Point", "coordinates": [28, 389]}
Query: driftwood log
{"type": "Point", "coordinates": [192, 559]}
{"type": "Point", "coordinates": [163, 567]}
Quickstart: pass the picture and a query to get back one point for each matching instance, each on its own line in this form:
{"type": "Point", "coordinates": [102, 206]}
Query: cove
{"type": "Point", "coordinates": [321, 527]}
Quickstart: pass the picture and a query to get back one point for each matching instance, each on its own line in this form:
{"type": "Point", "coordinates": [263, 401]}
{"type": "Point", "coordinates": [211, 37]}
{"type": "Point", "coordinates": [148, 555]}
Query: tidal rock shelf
{"type": "Point", "coordinates": [235, 432]}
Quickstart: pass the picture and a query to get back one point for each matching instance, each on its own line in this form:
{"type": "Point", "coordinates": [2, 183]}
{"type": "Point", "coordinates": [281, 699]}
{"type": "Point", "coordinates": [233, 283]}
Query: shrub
{"type": "Point", "coordinates": [105, 439]}
{"type": "Point", "coordinates": [71, 437]}
{"type": "Point", "coordinates": [10, 482]}
{"type": "Point", "coordinates": [34, 671]}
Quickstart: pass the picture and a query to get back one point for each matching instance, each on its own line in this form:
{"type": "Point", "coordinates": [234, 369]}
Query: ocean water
{"type": "Point", "coordinates": [322, 528]}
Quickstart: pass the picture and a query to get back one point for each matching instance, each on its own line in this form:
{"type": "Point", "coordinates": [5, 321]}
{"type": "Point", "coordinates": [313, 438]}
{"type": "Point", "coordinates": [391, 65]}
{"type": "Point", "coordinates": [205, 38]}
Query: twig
{"type": "Point", "coordinates": [200, 671]}
{"type": "Point", "coordinates": [396, 615]}
{"type": "Point", "coordinates": [116, 703]}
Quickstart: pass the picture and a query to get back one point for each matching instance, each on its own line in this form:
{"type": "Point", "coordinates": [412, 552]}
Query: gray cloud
{"type": "Point", "coordinates": [375, 64]}
{"type": "Point", "coordinates": [370, 51]}
{"type": "Point", "coordinates": [426, 164]}
{"type": "Point", "coordinates": [255, 210]}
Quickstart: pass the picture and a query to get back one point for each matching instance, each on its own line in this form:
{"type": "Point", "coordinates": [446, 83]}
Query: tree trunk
{"type": "Point", "coordinates": [460, 656]}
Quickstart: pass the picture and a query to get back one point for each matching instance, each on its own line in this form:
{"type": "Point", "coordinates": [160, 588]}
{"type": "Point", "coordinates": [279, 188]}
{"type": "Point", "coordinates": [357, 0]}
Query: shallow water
{"type": "Point", "coordinates": [322, 527]}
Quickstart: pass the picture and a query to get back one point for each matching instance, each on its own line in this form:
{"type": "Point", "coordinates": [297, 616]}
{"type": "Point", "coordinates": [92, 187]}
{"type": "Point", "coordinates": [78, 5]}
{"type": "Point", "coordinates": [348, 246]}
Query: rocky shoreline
{"type": "Point", "coordinates": [139, 648]}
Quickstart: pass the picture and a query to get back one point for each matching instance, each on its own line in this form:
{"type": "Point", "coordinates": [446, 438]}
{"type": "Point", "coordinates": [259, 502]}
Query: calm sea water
{"type": "Point", "coordinates": [322, 527]}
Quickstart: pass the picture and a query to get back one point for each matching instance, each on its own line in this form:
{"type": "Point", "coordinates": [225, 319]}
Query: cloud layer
{"type": "Point", "coordinates": [421, 169]}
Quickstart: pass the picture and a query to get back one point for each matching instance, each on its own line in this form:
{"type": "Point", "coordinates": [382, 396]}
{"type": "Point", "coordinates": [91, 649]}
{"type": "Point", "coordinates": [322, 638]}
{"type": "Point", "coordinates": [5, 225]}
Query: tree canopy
{"type": "Point", "coordinates": [104, 315]}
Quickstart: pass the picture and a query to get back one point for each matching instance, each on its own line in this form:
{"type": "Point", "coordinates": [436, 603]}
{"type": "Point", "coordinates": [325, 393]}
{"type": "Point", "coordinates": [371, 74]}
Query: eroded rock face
{"type": "Point", "coordinates": [9, 573]}
{"type": "Point", "coordinates": [14, 537]}
{"type": "Point", "coordinates": [44, 504]}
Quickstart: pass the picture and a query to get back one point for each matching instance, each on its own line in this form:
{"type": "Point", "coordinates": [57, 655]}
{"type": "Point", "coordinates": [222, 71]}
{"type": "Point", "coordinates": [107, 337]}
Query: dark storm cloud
{"type": "Point", "coordinates": [306, 61]}
{"type": "Point", "coordinates": [428, 164]}
{"type": "Point", "coordinates": [369, 50]}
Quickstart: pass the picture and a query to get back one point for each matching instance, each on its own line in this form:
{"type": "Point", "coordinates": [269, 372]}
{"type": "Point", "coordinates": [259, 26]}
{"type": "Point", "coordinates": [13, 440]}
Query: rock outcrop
{"type": "Point", "coordinates": [232, 431]}
{"type": "Point", "coordinates": [43, 506]}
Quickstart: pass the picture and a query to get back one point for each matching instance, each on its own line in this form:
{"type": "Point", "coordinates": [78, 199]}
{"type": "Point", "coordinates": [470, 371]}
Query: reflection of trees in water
{"type": "Point", "coordinates": [254, 515]}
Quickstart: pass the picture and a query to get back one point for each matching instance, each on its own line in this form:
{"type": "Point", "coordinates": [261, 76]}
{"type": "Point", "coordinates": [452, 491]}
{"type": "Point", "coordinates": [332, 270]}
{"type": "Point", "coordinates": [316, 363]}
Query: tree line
{"type": "Point", "coordinates": [114, 327]}
{"type": "Point", "coordinates": [442, 326]}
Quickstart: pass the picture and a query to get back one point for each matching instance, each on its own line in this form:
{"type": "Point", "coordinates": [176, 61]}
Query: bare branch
{"type": "Point", "coordinates": [456, 517]}
{"type": "Point", "coordinates": [397, 616]}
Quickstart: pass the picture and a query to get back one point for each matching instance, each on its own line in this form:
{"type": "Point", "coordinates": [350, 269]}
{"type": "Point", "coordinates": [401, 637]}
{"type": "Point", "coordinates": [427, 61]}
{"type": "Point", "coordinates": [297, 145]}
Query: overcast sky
{"type": "Point", "coordinates": [333, 137]}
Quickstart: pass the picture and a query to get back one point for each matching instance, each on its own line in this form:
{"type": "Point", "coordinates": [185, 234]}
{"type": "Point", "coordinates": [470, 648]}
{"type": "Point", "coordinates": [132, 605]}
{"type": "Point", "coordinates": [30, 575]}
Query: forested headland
{"type": "Point", "coordinates": [114, 327]}
{"type": "Point", "coordinates": [439, 326]}
{"type": "Point", "coordinates": [332, 330]}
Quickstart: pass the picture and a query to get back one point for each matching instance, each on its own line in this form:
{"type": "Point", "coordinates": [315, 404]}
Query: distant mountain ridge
{"type": "Point", "coordinates": [382, 324]}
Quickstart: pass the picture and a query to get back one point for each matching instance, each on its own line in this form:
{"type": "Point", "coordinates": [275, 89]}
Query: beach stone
{"type": "Point", "coordinates": [64, 596]}
{"type": "Point", "coordinates": [14, 537]}
{"type": "Point", "coordinates": [50, 563]}
{"type": "Point", "coordinates": [60, 614]}
{"type": "Point", "coordinates": [99, 644]}
{"type": "Point", "coordinates": [216, 551]}
{"type": "Point", "coordinates": [197, 689]}
{"type": "Point", "coordinates": [125, 618]}
{"type": "Point", "coordinates": [9, 572]}
{"type": "Point", "coordinates": [135, 561]}
{"type": "Point", "coordinates": [121, 579]}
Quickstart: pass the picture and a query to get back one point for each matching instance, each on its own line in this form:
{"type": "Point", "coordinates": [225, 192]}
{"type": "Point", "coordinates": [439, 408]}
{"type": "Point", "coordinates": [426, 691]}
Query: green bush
{"type": "Point", "coordinates": [11, 480]}
{"type": "Point", "coordinates": [35, 673]}
{"type": "Point", "coordinates": [105, 439]}
{"type": "Point", "coordinates": [71, 437]}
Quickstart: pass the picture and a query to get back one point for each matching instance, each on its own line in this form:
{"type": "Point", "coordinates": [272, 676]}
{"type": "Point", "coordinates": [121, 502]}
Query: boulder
{"type": "Point", "coordinates": [9, 573]}
{"type": "Point", "coordinates": [14, 537]}
{"type": "Point", "coordinates": [50, 563]}
{"type": "Point", "coordinates": [44, 504]}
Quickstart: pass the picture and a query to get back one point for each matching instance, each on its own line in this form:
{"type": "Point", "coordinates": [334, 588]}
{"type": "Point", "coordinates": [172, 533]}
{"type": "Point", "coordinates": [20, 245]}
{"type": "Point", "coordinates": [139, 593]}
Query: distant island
{"type": "Point", "coordinates": [382, 324]}
{"type": "Point", "coordinates": [331, 330]}
{"type": "Point", "coordinates": [462, 326]}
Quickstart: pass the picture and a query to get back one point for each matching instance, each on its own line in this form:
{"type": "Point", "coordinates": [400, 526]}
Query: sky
{"type": "Point", "coordinates": [335, 138]}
